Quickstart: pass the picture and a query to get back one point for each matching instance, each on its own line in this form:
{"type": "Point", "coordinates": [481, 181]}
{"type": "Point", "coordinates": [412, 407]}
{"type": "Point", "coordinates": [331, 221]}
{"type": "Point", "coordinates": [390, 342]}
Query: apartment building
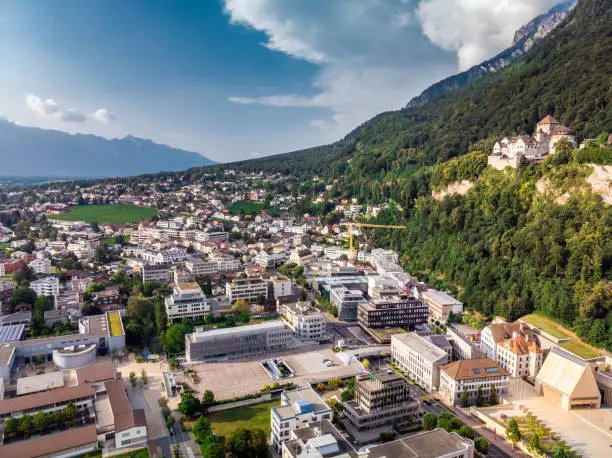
{"type": "Point", "coordinates": [41, 266]}
{"type": "Point", "coordinates": [238, 342]}
{"type": "Point", "coordinates": [186, 301]}
{"type": "Point", "coordinates": [346, 301]}
{"type": "Point", "coordinates": [306, 322]}
{"type": "Point", "coordinates": [381, 398]}
{"type": "Point", "coordinates": [441, 305]}
{"type": "Point", "coordinates": [281, 287]}
{"type": "Point", "coordinates": [226, 263]}
{"type": "Point", "coordinates": [472, 375]}
{"type": "Point", "coordinates": [199, 268]}
{"type": "Point", "coordinates": [299, 409]}
{"type": "Point", "coordinates": [401, 311]}
{"type": "Point", "coordinates": [48, 286]}
{"type": "Point", "coordinates": [250, 289]}
{"type": "Point", "coordinates": [158, 273]}
{"type": "Point", "coordinates": [419, 358]}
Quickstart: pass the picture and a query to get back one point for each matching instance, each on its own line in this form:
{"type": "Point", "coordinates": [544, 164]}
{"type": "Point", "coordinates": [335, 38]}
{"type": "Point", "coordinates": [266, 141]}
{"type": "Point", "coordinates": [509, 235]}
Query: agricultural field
{"type": "Point", "coordinates": [253, 416]}
{"type": "Point", "coordinates": [111, 214]}
{"type": "Point", "coordinates": [247, 207]}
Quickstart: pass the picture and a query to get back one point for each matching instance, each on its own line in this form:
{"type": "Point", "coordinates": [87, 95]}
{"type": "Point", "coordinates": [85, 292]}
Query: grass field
{"type": "Point", "coordinates": [111, 214]}
{"type": "Point", "coordinates": [545, 324]}
{"type": "Point", "coordinates": [253, 416]}
{"type": "Point", "coordinates": [579, 349]}
{"type": "Point", "coordinates": [248, 207]}
{"type": "Point", "coordinates": [4, 245]}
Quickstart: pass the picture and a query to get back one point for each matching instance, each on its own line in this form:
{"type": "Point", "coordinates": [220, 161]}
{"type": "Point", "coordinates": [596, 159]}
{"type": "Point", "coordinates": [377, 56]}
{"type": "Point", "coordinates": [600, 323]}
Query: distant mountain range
{"type": "Point", "coordinates": [524, 39]}
{"type": "Point", "coordinates": [29, 151]}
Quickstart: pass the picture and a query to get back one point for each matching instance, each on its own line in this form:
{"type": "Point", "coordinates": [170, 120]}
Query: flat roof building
{"type": "Point", "coordinates": [403, 311]}
{"type": "Point", "coordinates": [42, 382]}
{"type": "Point", "coordinates": [441, 305]}
{"type": "Point", "coordinates": [186, 301]}
{"type": "Point", "coordinates": [419, 358]}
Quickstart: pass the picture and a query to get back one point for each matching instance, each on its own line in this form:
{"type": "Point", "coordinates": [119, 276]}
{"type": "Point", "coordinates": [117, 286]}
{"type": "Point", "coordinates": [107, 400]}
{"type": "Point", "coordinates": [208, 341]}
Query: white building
{"type": "Point", "coordinates": [41, 266]}
{"type": "Point", "coordinates": [441, 305]}
{"type": "Point", "coordinates": [265, 259]}
{"type": "Point", "coordinates": [226, 263]}
{"type": "Point", "coordinates": [419, 358]}
{"type": "Point", "coordinates": [158, 273]}
{"type": "Point", "coordinates": [346, 301]}
{"type": "Point", "coordinates": [250, 289]}
{"type": "Point", "coordinates": [472, 375]}
{"type": "Point", "coordinates": [463, 348]}
{"type": "Point", "coordinates": [299, 409]}
{"type": "Point", "coordinates": [48, 286]}
{"type": "Point", "coordinates": [281, 287]}
{"type": "Point", "coordinates": [306, 322]}
{"type": "Point", "coordinates": [166, 257]}
{"type": "Point", "coordinates": [301, 256]}
{"type": "Point", "coordinates": [201, 268]}
{"type": "Point", "coordinates": [186, 301]}
{"type": "Point", "coordinates": [513, 346]}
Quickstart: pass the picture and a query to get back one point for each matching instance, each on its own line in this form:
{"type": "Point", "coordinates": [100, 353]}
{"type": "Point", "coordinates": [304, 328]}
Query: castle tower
{"type": "Point", "coordinates": [547, 125]}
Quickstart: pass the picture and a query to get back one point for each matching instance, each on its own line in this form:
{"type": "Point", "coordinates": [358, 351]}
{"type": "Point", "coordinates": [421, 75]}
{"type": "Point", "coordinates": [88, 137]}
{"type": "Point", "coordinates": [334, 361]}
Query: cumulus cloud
{"type": "Point", "coordinates": [476, 29]}
{"type": "Point", "coordinates": [374, 55]}
{"type": "Point", "coordinates": [49, 108]}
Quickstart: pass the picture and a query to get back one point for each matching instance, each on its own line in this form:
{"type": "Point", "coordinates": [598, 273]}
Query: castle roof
{"type": "Point", "coordinates": [548, 120]}
{"type": "Point", "coordinates": [563, 130]}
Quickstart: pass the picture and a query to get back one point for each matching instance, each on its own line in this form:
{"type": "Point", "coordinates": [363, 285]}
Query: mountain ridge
{"type": "Point", "coordinates": [53, 153]}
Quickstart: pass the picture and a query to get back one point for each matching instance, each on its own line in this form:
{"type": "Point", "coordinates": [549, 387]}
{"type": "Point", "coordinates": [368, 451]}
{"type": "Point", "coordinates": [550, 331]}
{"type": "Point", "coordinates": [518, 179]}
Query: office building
{"type": "Point", "coordinates": [472, 375]}
{"type": "Point", "coordinates": [306, 322]}
{"type": "Point", "coordinates": [402, 311]}
{"type": "Point", "coordinates": [346, 301]}
{"type": "Point", "coordinates": [419, 358]}
{"type": "Point", "coordinates": [381, 398]}
{"type": "Point", "coordinates": [299, 409]}
{"type": "Point", "coordinates": [237, 342]}
{"type": "Point", "coordinates": [441, 305]}
{"type": "Point", "coordinates": [157, 273]}
{"type": "Point", "coordinates": [186, 301]}
{"type": "Point", "coordinates": [463, 347]}
{"type": "Point", "coordinates": [199, 268]}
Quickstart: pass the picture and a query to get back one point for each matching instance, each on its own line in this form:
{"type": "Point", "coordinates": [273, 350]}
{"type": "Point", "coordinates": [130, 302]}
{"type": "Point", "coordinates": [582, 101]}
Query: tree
{"type": "Point", "coordinates": [56, 417]}
{"type": "Point", "coordinates": [95, 227]}
{"type": "Point", "coordinates": [25, 273]}
{"type": "Point", "coordinates": [493, 395]}
{"type": "Point", "coordinates": [534, 446]}
{"type": "Point", "coordinates": [562, 452]}
{"type": "Point", "coordinates": [336, 406]}
{"type": "Point", "coordinates": [241, 306]}
{"type": "Point", "coordinates": [479, 397]}
{"type": "Point", "coordinates": [143, 377]}
{"type": "Point", "coordinates": [201, 429]}
{"type": "Point", "coordinates": [133, 379]}
{"type": "Point", "coordinates": [513, 432]}
{"type": "Point", "coordinates": [366, 363]}
{"type": "Point", "coordinates": [248, 443]}
{"type": "Point", "coordinates": [190, 405]}
{"type": "Point", "coordinates": [429, 421]}
{"type": "Point", "coordinates": [445, 421]}
{"type": "Point", "coordinates": [175, 337]}
{"type": "Point", "coordinates": [466, 431]}
{"type": "Point", "coordinates": [25, 424]}
{"type": "Point", "coordinates": [70, 413]}
{"type": "Point", "coordinates": [10, 426]}
{"type": "Point", "coordinates": [334, 383]}
{"type": "Point", "coordinates": [482, 445]}
{"type": "Point", "coordinates": [213, 449]}
{"type": "Point", "coordinates": [321, 386]}
{"type": "Point", "coordinates": [40, 420]}
{"type": "Point", "coordinates": [456, 424]}
{"type": "Point", "coordinates": [208, 399]}
{"type": "Point", "coordinates": [465, 397]}
{"type": "Point", "coordinates": [23, 294]}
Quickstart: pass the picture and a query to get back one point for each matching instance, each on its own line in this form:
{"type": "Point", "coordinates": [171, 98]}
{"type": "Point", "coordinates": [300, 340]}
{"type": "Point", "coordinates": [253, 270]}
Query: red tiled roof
{"type": "Point", "coordinates": [32, 401]}
{"type": "Point", "coordinates": [466, 369]}
{"type": "Point", "coordinates": [51, 443]}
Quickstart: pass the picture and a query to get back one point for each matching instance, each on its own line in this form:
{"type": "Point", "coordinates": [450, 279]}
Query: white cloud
{"type": "Point", "coordinates": [374, 55]}
{"type": "Point", "coordinates": [476, 29]}
{"type": "Point", "coordinates": [50, 109]}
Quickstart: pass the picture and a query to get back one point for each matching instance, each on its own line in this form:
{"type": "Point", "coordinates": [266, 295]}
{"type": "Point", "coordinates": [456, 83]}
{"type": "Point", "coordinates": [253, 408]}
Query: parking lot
{"type": "Point", "coordinates": [238, 377]}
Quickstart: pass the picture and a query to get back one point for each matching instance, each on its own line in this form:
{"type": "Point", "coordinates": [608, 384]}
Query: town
{"type": "Point", "coordinates": [189, 320]}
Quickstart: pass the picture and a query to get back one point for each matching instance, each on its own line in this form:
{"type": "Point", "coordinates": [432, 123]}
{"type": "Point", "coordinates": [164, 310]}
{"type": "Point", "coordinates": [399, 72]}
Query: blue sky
{"type": "Point", "coordinates": [234, 79]}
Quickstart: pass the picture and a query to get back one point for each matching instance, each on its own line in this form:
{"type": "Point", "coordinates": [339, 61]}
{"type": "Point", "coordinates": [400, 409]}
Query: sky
{"type": "Point", "coordinates": [237, 79]}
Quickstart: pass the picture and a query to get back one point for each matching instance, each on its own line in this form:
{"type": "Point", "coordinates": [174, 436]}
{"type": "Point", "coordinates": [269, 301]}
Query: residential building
{"type": "Point", "coordinates": [157, 273]}
{"type": "Point", "coordinates": [301, 256]}
{"type": "Point", "coordinates": [106, 300]}
{"type": "Point", "coordinates": [346, 301]}
{"type": "Point", "coordinates": [48, 286]}
{"type": "Point", "coordinates": [238, 342]}
{"type": "Point", "coordinates": [40, 266]}
{"type": "Point", "coordinates": [381, 398]}
{"type": "Point", "coordinates": [281, 287]}
{"type": "Point", "coordinates": [201, 268]}
{"type": "Point", "coordinates": [419, 358]}
{"type": "Point", "coordinates": [250, 289]}
{"type": "Point", "coordinates": [441, 305]}
{"type": "Point", "coordinates": [472, 375]}
{"type": "Point", "coordinates": [306, 322]}
{"type": "Point", "coordinates": [269, 260]}
{"type": "Point", "coordinates": [568, 381]}
{"type": "Point", "coordinates": [226, 263]}
{"type": "Point", "coordinates": [186, 301]}
{"type": "Point", "coordinates": [298, 410]}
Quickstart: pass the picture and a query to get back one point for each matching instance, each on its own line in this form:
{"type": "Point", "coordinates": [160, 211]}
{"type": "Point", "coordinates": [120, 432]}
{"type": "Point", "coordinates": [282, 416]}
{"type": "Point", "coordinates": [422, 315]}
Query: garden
{"type": "Point", "coordinates": [537, 437]}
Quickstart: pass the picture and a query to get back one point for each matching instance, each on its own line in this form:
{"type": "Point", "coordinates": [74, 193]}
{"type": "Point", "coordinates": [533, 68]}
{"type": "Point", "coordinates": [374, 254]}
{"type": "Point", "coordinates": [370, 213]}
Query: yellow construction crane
{"type": "Point", "coordinates": [383, 226]}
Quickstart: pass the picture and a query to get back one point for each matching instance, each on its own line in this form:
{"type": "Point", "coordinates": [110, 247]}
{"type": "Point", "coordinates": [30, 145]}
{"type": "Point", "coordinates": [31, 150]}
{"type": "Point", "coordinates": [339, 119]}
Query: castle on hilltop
{"type": "Point", "coordinates": [549, 131]}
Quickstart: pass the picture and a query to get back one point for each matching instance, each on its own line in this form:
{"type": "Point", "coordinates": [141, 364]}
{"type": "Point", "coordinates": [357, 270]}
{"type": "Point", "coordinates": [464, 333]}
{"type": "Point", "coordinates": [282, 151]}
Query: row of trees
{"type": "Point", "coordinates": [39, 422]}
{"type": "Point", "coordinates": [450, 423]}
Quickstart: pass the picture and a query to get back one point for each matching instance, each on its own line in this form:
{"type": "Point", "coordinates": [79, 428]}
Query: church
{"type": "Point", "coordinates": [549, 131]}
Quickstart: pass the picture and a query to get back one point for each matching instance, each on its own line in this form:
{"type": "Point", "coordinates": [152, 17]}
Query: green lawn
{"type": "Point", "coordinates": [545, 324]}
{"type": "Point", "coordinates": [140, 453]}
{"type": "Point", "coordinates": [4, 245]}
{"type": "Point", "coordinates": [579, 349]}
{"type": "Point", "coordinates": [253, 416]}
{"type": "Point", "coordinates": [249, 207]}
{"type": "Point", "coordinates": [112, 214]}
